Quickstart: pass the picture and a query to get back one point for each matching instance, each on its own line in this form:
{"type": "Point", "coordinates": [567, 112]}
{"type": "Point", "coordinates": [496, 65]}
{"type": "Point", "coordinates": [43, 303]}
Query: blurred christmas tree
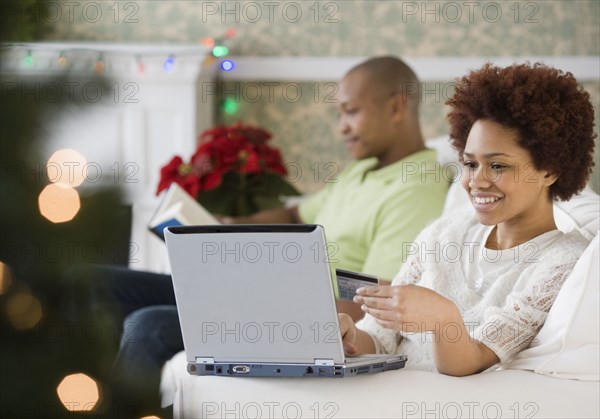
{"type": "Point", "coordinates": [39, 346]}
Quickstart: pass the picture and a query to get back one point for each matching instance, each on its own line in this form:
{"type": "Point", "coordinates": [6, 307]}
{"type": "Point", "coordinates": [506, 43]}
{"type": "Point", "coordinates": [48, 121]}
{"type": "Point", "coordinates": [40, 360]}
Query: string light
{"type": "Point", "coordinates": [78, 392]}
{"type": "Point", "coordinates": [169, 63]}
{"type": "Point", "coordinates": [207, 42]}
{"type": "Point", "coordinates": [227, 65]}
{"type": "Point", "coordinates": [57, 167]}
{"type": "Point", "coordinates": [230, 106]}
{"type": "Point", "coordinates": [6, 277]}
{"type": "Point", "coordinates": [230, 33]}
{"type": "Point", "coordinates": [62, 60]}
{"type": "Point", "coordinates": [99, 66]}
{"type": "Point", "coordinates": [66, 55]}
{"type": "Point", "coordinates": [59, 203]}
{"type": "Point", "coordinates": [209, 60]}
{"type": "Point", "coordinates": [140, 65]}
{"type": "Point", "coordinates": [24, 310]}
{"type": "Point", "coordinates": [220, 51]}
{"type": "Point", "coordinates": [28, 60]}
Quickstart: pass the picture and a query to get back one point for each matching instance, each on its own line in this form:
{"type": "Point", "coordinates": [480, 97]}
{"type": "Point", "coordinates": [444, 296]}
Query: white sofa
{"type": "Point", "coordinates": [558, 376]}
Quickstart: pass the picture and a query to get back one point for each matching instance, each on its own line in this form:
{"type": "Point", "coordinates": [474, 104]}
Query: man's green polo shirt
{"type": "Point", "coordinates": [371, 216]}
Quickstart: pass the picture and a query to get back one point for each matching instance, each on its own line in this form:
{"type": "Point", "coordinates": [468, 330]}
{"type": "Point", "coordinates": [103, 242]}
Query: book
{"type": "Point", "coordinates": [179, 208]}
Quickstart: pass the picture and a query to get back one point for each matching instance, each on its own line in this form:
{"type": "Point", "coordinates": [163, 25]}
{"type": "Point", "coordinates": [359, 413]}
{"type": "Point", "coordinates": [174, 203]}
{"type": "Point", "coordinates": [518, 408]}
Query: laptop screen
{"type": "Point", "coordinates": [254, 293]}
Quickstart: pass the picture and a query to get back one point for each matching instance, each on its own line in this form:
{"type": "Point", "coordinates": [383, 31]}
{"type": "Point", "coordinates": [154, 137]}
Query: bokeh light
{"type": "Point", "coordinates": [169, 63]}
{"type": "Point", "coordinates": [63, 60]}
{"type": "Point", "coordinates": [78, 392]}
{"type": "Point", "coordinates": [24, 310]}
{"type": "Point", "coordinates": [28, 60]}
{"type": "Point", "coordinates": [209, 60]}
{"type": "Point", "coordinates": [220, 51]}
{"type": "Point", "coordinates": [67, 166]}
{"type": "Point", "coordinates": [207, 42]}
{"type": "Point", "coordinates": [99, 67]}
{"type": "Point", "coordinates": [227, 65]}
{"type": "Point", "coordinates": [230, 33]}
{"type": "Point", "coordinates": [59, 203]}
{"type": "Point", "coordinates": [230, 106]}
{"type": "Point", "coordinates": [6, 277]}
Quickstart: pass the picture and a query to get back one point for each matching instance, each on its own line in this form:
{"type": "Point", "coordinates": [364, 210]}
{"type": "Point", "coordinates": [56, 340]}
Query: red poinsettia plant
{"type": "Point", "coordinates": [234, 171]}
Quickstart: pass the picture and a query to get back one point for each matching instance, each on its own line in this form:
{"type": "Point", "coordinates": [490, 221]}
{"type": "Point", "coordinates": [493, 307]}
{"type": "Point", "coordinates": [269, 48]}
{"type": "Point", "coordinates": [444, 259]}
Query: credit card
{"type": "Point", "coordinates": [348, 282]}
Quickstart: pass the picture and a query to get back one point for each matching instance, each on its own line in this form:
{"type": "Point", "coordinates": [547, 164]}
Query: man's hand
{"type": "Point", "coordinates": [350, 308]}
{"type": "Point", "coordinates": [226, 219]}
{"type": "Point", "coordinates": [348, 332]}
{"type": "Point", "coordinates": [354, 340]}
{"type": "Point", "coordinates": [270, 216]}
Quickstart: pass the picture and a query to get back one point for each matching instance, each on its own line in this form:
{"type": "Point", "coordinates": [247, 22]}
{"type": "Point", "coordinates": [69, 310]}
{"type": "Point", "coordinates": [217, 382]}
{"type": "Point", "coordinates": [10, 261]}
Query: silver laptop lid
{"type": "Point", "coordinates": [254, 293]}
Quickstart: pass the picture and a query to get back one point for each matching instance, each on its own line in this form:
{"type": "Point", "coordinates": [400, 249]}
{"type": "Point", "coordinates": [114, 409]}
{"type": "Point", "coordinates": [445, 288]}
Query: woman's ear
{"type": "Point", "coordinates": [549, 179]}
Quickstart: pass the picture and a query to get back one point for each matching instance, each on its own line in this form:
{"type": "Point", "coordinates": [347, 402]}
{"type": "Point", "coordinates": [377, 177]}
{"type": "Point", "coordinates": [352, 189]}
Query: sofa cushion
{"type": "Point", "coordinates": [568, 344]}
{"type": "Point", "coordinates": [393, 394]}
{"type": "Point", "coordinates": [582, 213]}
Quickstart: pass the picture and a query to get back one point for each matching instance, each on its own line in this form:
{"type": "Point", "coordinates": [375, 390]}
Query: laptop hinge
{"type": "Point", "coordinates": [204, 360]}
{"type": "Point", "coordinates": [324, 362]}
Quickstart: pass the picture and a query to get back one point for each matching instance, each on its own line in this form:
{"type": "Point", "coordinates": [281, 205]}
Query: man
{"type": "Point", "coordinates": [393, 189]}
{"type": "Point", "coordinates": [380, 203]}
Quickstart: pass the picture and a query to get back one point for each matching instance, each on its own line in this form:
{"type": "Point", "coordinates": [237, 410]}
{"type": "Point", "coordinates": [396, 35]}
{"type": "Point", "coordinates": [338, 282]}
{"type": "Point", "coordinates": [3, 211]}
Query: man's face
{"type": "Point", "coordinates": [362, 117]}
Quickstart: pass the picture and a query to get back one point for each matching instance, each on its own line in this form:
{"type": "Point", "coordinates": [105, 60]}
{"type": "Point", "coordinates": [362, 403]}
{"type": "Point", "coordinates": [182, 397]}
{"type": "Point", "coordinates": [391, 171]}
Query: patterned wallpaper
{"type": "Point", "coordinates": [306, 129]}
{"type": "Point", "coordinates": [345, 28]}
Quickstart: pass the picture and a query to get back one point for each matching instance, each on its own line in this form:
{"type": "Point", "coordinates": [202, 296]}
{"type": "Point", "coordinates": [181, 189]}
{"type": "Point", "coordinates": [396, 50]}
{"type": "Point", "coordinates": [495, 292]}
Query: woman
{"type": "Point", "coordinates": [477, 289]}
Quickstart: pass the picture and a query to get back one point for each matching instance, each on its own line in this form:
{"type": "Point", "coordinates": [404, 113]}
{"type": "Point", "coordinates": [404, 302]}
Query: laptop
{"type": "Point", "coordinates": [258, 301]}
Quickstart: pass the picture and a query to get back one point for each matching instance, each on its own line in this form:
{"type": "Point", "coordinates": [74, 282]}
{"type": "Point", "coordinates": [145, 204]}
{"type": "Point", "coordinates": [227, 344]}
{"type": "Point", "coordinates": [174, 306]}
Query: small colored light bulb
{"type": "Point", "coordinates": [99, 67]}
{"type": "Point", "coordinates": [62, 60]}
{"type": "Point", "coordinates": [220, 51]}
{"type": "Point", "coordinates": [230, 106]}
{"type": "Point", "coordinates": [207, 42]}
{"type": "Point", "coordinates": [169, 63]}
{"type": "Point", "coordinates": [141, 68]}
{"type": "Point", "coordinates": [28, 60]}
{"type": "Point", "coordinates": [227, 65]}
{"type": "Point", "coordinates": [208, 60]}
{"type": "Point", "coordinates": [230, 33]}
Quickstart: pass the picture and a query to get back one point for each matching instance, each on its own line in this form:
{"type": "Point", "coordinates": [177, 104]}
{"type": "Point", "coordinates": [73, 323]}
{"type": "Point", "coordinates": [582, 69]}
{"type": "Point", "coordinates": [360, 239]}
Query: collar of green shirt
{"type": "Point", "coordinates": [391, 172]}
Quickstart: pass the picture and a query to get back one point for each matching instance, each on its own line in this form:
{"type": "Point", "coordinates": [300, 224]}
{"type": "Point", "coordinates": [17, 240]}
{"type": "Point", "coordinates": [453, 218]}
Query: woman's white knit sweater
{"type": "Point", "coordinates": [503, 309]}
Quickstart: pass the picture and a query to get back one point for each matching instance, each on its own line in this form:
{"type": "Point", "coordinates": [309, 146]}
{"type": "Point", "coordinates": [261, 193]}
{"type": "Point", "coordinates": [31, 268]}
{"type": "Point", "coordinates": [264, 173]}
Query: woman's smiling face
{"type": "Point", "coordinates": [500, 178]}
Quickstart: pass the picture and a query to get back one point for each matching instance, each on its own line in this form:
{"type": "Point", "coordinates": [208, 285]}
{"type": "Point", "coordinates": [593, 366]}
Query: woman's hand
{"type": "Point", "coordinates": [409, 308]}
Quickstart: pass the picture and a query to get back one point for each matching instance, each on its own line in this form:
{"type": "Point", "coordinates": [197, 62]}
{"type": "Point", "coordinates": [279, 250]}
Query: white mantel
{"type": "Point", "coordinates": [150, 116]}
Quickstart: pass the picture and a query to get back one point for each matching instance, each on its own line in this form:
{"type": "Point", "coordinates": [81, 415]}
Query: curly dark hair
{"type": "Point", "coordinates": [552, 115]}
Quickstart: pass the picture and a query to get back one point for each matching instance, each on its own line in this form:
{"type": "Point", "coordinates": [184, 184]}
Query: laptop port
{"type": "Point", "coordinates": [363, 370]}
{"type": "Point", "coordinates": [241, 369]}
{"type": "Point", "coordinates": [308, 370]}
